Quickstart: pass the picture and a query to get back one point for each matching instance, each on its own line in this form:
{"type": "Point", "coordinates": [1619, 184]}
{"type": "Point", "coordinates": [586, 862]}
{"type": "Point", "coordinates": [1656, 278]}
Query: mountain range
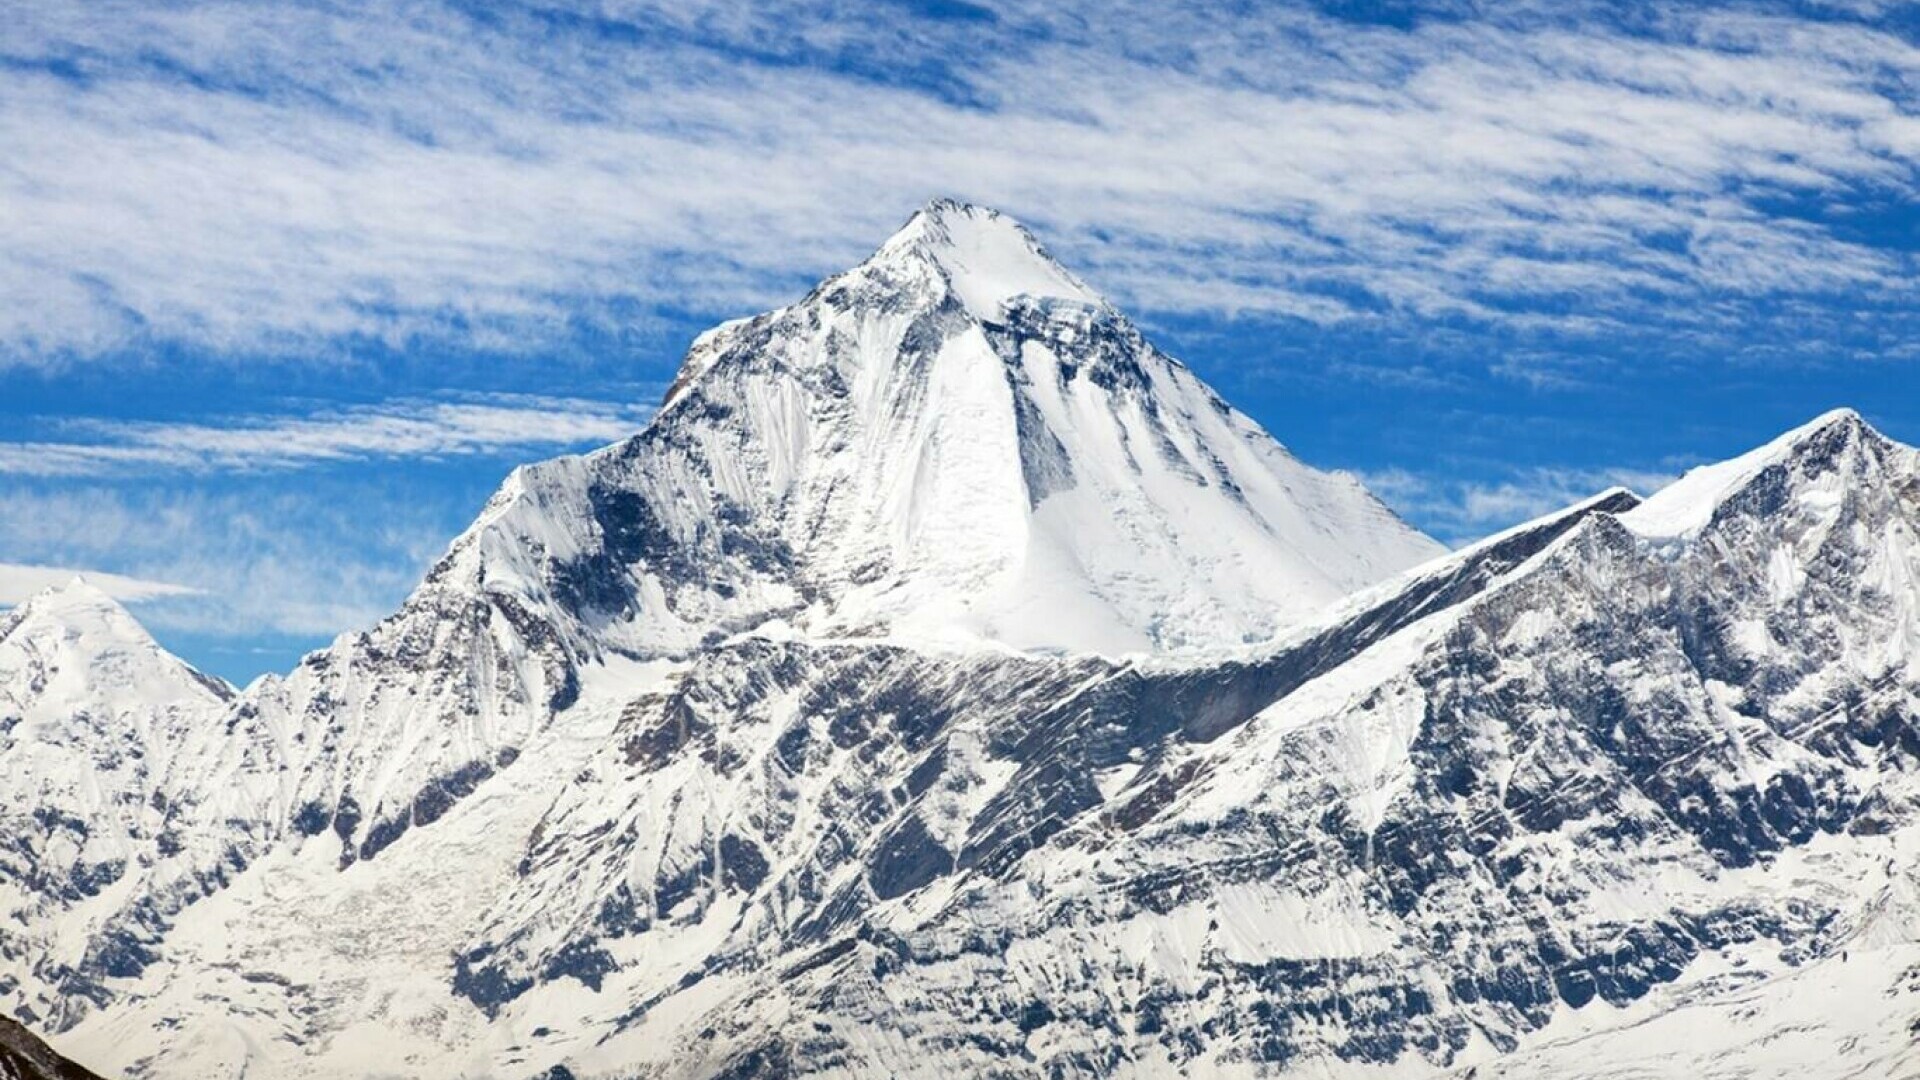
{"type": "Point", "coordinates": [947, 682]}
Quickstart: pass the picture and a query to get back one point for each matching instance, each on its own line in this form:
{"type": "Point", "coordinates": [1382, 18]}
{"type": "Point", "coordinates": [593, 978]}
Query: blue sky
{"type": "Point", "coordinates": [286, 288]}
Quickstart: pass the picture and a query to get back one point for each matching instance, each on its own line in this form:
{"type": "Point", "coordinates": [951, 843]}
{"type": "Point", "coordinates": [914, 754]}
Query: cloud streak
{"type": "Point", "coordinates": [236, 561]}
{"type": "Point", "coordinates": [19, 583]}
{"type": "Point", "coordinates": [407, 429]}
{"type": "Point", "coordinates": [289, 176]}
{"type": "Point", "coordinates": [1459, 511]}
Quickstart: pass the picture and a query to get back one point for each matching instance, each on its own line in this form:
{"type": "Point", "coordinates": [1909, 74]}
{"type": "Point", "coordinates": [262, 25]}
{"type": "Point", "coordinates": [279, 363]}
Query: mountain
{"type": "Point", "coordinates": [955, 446]}
{"type": "Point", "coordinates": [104, 737]}
{"type": "Point", "coordinates": [946, 682]}
{"type": "Point", "coordinates": [956, 442]}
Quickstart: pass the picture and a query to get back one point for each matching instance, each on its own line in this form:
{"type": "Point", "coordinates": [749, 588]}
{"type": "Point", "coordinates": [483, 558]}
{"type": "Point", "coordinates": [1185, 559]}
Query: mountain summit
{"type": "Point", "coordinates": [955, 441]}
{"type": "Point", "coordinates": [1811, 469]}
{"type": "Point", "coordinates": [72, 648]}
{"type": "Point", "coordinates": [986, 258]}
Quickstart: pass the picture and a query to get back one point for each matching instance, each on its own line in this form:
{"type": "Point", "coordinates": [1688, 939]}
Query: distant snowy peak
{"type": "Point", "coordinates": [76, 643]}
{"type": "Point", "coordinates": [1812, 468]}
{"type": "Point", "coordinates": [104, 739]}
{"type": "Point", "coordinates": [77, 601]}
{"type": "Point", "coordinates": [956, 441]}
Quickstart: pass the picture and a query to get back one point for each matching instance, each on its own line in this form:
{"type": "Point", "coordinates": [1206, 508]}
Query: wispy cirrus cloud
{"type": "Point", "coordinates": [289, 175]}
{"type": "Point", "coordinates": [220, 562]}
{"type": "Point", "coordinates": [494, 424]}
{"type": "Point", "coordinates": [191, 520]}
{"type": "Point", "coordinates": [19, 583]}
{"type": "Point", "coordinates": [1461, 510]}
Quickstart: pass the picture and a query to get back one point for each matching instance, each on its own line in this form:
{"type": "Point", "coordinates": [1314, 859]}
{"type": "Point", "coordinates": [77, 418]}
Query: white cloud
{"type": "Point", "coordinates": [1460, 511]}
{"type": "Point", "coordinates": [242, 564]}
{"type": "Point", "coordinates": [19, 583]}
{"type": "Point", "coordinates": [396, 171]}
{"type": "Point", "coordinates": [413, 429]}
{"type": "Point", "coordinates": [187, 521]}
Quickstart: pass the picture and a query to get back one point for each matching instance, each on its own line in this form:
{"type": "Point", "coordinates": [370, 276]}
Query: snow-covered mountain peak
{"type": "Point", "coordinates": [954, 441]}
{"type": "Point", "coordinates": [104, 739]}
{"type": "Point", "coordinates": [78, 597]}
{"type": "Point", "coordinates": [73, 650]}
{"type": "Point", "coordinates": [76, 638]}
{"type": "Point", "coordinates": [983, 257]}
{"type": "Point", "coordinates": [1814, 464]}
{"type": "Point", "coordinates": [950, 257]}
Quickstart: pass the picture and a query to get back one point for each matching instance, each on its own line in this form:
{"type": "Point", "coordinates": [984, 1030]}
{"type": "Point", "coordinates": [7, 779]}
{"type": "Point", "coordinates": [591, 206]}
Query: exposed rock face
{"type": "Point", "coordinates": [947, 682]}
